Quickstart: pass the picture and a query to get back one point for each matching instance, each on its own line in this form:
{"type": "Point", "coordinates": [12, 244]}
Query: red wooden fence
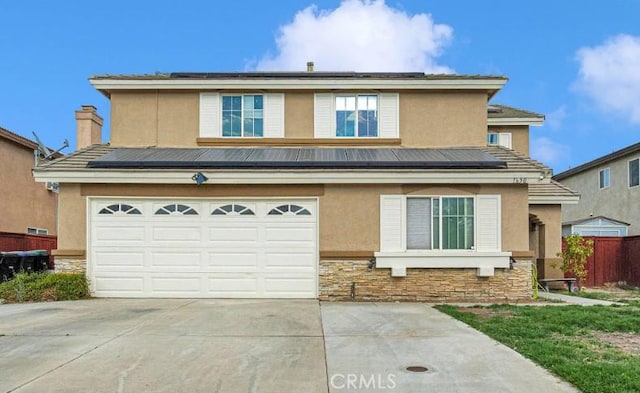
{"type": "Point", "coordinates": [24, 242]}
{"type": "Point", "coordinates": [614, 259]}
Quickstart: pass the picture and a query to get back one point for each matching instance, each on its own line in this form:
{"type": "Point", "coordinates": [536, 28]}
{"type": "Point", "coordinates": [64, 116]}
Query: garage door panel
{"type": "Point", "coordinates": [119, 233]}
{"type": "Point", "coordinates": [233, 286]}
{"type": "Point", "coordinates": [290, 261]}
{"type": "Point", "coordinates": [119, 286]}
{"type": "Point", "coordinates": [176, 234]}
{"type": "Point", "coordinates": [109, 259]}
{"type": "Point", "coordinates": [245, 234]}
{"type": "Point", "coordinates": [233, 260]}
{"type": "Point", "coordinates": [173, 259]}
{"type": "Point", "coordinates": [288, 287]}
{"type": "Point", "coordinates": [176, 286]}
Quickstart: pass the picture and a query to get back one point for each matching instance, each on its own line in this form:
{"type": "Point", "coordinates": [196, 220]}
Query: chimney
{"type": "Point", "coordinates": [309, 66]}
{"type": "Point", "coordinates": [89, 127]}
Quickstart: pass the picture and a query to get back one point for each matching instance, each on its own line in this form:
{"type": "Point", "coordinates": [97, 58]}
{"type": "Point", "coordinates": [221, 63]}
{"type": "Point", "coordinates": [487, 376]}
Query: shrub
{"type": "Point", "coordinates": [44, 287]}
{"type": "Point", "coordinates": [574, 256]}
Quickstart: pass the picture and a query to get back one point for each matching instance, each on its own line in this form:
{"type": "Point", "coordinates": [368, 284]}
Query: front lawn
{"type": "Point", "coordinates": [595, 348]}
{"type": "Point", "coordinates": [625, 294]}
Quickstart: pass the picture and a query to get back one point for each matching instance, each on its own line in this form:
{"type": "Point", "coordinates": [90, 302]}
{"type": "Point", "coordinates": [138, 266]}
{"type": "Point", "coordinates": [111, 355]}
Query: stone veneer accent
{"type": "Point", "coordinates": [351, 280]}
{"type": "Point", "coordinates": [70, 265]}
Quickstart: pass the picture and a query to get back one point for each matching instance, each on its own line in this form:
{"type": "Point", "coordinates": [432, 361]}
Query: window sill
{"type": "Point", "coordinates": [227, 141]}
{"type": "Point", "coordinates": [485, 262]}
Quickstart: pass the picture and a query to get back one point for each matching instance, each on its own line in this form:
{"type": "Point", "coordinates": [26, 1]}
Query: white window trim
{"type": "Point", "coordinates": [334, 125]}
{"type": "Point", "coordinates": [242, 112]}
{"type": "Point", "coordinates": [484, 261]}
{"type": "Point", "coordinates": [46, 231]}
{"type": "Point", "coordinates": [500, 136]}
{"type": "Point", "coordinates": [608, 169]}
{"type": "Point", "coordinates": [497, 134]}
{"type": "Point", "coordinates": [629, 173]}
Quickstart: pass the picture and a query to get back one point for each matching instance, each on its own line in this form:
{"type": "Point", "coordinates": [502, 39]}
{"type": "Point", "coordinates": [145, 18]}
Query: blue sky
{"type": "Point", "coordinates": [576, 62]}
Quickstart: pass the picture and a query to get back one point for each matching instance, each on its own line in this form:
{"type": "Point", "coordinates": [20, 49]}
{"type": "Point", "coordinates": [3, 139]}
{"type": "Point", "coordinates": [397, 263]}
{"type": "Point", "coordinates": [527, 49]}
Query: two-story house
{"type": "Point", "coordinates": [610, 187]}
{"type": "Point", "coordinates": [330, 185]}
{"type": "Point", "coordinates": [25, 205]}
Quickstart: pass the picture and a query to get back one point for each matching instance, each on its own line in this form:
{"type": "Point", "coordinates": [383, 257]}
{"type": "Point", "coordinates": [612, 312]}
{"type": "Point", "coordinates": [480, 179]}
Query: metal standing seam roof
{"type": "Point", "coordinates": [297, 158]}
{"type": "Point", "coordinates": [78, 161]}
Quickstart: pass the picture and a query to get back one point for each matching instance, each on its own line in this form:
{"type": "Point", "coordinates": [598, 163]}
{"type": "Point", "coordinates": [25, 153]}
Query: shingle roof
{"type": "Point", "coordinates": [80, 159]}
{"type": "Point", "coordinates": [498, 111]}
{"type": "Point", "coordinates": [635, 148]}
{"type": "Point", "coordinates": [553, 189]}
{"type": "Point", "coordinates": [294, 75]}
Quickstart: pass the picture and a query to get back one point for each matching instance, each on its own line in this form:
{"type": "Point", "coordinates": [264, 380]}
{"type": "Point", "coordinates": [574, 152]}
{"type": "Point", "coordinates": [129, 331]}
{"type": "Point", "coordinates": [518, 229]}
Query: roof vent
{"type": "Point", "coordinates": [494, 109]}
{"type": "Point", "coordinates": [309, 66]}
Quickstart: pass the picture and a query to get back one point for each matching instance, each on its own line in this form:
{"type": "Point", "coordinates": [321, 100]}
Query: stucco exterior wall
{"type": "Point", "coordinates": [519, 137]}
{"type": "Point", "coordinates": [619, 201]}
{"type": "Point", "coordinates": [23, 202]}
{"type": "Point", "coordinates": [349, 214]}
{"type": "Point", "coordinates": [171, 118]}
{"type": "Point", "coordinates": [549, 238]}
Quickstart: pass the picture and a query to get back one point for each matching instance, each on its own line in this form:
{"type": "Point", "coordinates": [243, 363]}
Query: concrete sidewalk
{"type": "Point", "coordinates": [577, 299]}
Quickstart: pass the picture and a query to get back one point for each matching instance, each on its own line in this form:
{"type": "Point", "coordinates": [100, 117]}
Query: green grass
{"type": "Point", "coordinates": [560, 338]}
{"type": "Point", "coordinates": [630, 295]}
{"type": "Point", "coordinates": [42, 287]}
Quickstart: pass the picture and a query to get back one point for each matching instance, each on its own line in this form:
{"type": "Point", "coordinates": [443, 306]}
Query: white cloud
{"type": "Point", "coordinates": [555, 118]}
{"type": "Point", "coordinates": [547, 151]}
{"type": "Point", "coordinates": [610, 75]}
{"type": "Point", "coordinates": [360, 35]}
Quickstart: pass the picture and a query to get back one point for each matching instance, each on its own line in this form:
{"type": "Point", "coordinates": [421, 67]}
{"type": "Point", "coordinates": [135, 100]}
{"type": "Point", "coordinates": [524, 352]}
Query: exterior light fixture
{"type": "Point", "coordinates": [199, 178]}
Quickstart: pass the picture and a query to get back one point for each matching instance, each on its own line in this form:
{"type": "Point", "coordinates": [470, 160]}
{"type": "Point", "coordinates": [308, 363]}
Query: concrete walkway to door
{"type": "Point", "coordinates": [170, 345]}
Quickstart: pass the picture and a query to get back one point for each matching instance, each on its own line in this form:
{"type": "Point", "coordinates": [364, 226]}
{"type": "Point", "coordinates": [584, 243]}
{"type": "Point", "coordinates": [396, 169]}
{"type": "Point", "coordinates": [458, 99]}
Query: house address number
{"type": "Point", "coordinates": [520, 180]}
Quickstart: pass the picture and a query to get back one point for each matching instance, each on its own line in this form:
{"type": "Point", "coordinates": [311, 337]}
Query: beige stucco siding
{"type": "Point", "coordinates": [349, 214]}
{"type": "Point", "coordinates": [23, 202]}
{"type": "Point", "coordinates": [443, 119]}
{"type": "Point", "coordinates": [72, 224]}
{"type": "Point", "coordinates": [298, 115]}
{"type": "Point", "coordinates": [619, 201]}
{"type": "Point", "coordinates": [171, 118]}
{"type": "Point", "coordinates": [519, 137]}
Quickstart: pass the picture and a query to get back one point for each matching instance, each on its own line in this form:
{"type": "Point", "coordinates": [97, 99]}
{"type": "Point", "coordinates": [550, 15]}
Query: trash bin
{"type": "Point", "coordinates": [13, 262]}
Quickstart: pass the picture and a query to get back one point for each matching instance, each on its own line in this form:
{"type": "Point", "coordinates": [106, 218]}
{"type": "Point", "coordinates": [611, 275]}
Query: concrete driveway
{"type": "Point", "coordinates": [160, 345]}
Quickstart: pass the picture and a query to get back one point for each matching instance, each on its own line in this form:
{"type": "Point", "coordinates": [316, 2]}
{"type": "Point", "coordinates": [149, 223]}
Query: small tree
{"type": "Point", "coordinates": [574, 256]}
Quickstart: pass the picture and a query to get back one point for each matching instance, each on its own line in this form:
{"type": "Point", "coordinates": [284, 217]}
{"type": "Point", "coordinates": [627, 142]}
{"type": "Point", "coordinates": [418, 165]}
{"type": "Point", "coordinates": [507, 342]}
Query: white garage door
{"type": "Point", "coordinates": [203, 248]}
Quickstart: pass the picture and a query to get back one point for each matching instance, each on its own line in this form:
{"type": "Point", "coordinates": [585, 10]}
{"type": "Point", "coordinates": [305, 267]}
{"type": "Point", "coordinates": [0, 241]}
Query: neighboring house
{"type": "Point", "coordinates": [338, 186]}
{"type": "Point", "coordinates": [595, 226]}
{"type": "Point", "coordinates": [26, 206]}
{"type": "Point", "coordinates": [609, 188]}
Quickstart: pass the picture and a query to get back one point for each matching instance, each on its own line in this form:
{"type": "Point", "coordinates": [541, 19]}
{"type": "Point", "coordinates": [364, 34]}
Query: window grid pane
{"type": "Point", "coordinates": [634, 173]}
{"type": "Point", "coordinates": [357, 116]}
{"type": "Point", "coordinates": [242, 116]}
{"type": "Point", "coordinates": [457, 224]}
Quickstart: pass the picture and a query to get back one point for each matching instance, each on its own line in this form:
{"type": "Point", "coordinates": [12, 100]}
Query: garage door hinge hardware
{"type": "Point", "coordinates": [199, 178]}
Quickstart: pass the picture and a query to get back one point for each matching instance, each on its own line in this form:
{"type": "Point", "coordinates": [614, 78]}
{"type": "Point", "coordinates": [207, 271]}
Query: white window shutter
{"type": "Point", "coordinates": [392, 218]}
{"type": "Point", "coordinates": [488, 213]}
{"type": "Point", "coordinates": [504, 139]}
{"type": "Point", "coordinates": [210, 115]}
{"type": "Point", "coordinates": [388, 116]}
{"type": "Point", "coordinates": [323, 115]}
{"type": "Point", "coordinates": [274, 115]}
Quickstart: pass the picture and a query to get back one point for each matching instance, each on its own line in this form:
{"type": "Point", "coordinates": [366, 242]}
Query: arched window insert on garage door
{"type": "Point", "coordinates": [290, 210]}
{"type": "Point", "coordinates": [176, 208]}
{"type": "Point", "coordinates": [120, 208]}
{"type": "Point", "coordinates": [233, 209]}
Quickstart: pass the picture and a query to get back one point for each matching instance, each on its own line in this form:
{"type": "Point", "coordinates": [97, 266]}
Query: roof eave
{"type": "Point", "coordinates": [515, 121]}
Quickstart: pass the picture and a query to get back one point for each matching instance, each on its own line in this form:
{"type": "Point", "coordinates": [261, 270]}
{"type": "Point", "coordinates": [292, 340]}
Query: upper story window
{"type": "Point", "coordinates": [634, 172]}
{"type": "Point", "coordinates": [242, 116]}
{"type": "Point", "coordinates": [356, 116]}
{"type": "Point", "coordinates": [499, 139]}
{"type": "Point", "coordinates": [604, 178]}
{"type": "Point", "coordinates": [37, 231]}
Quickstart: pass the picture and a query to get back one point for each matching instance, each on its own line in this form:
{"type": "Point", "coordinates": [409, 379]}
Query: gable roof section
{"type": "Point", "coordinates": [552, 193]}
{"type": "Point", "coordinates": [18, 139]}
{"type": "Point", "coordinates": [629, 150]}
{"type": "Point", "coordinates": [586, 220]}
{"type": "Point", "coordinates": [497, 165]}
{"type": "Point", "coordinates": [507, 115]}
